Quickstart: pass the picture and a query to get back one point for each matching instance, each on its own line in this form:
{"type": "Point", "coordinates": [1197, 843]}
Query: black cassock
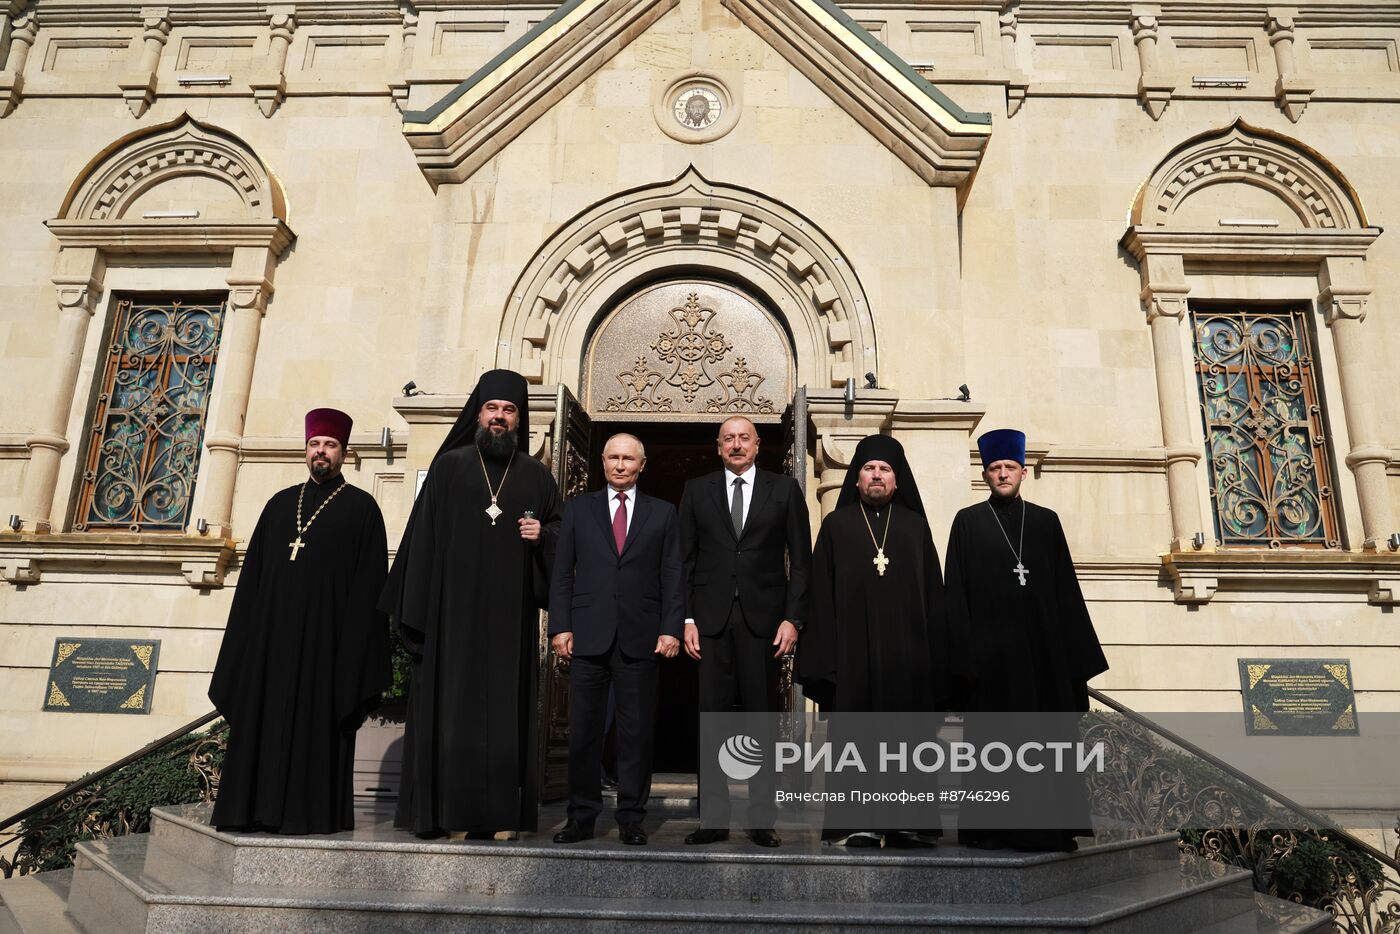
{"type": "Point", "coordinates": [305, 657]}
{"type": "Point", "coordinates": [875, 643]}
{"type": "Point", "coordinates": [1020, 648]}
{"type": "Point", "coordinates": [471, 596]}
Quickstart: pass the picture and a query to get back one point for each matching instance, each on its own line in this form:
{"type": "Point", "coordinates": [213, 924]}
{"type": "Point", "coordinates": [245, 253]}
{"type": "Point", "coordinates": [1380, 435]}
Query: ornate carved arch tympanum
{"type": "Point", "coordinates": [696, 228]}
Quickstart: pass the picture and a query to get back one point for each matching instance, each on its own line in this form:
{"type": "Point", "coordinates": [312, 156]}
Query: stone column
{"type": "Point", "coordinates": [270, 84]}
{"type": "Point", "coordinates": [1154, 90]}
{"type": "Point", "coordinates": [1291, 92]}
{"type": "Point", "coordinates": [250, 285]}
{"type": "Point", "coordinates": [1344, 296]}
{"type": "Point", "coordinates": [22, 32]}
{"type": "Point", "coordinates": [139, 88]}
{"type": "Point", "coordinates": [399, 87]}
{"type": "Point", "coordinates": [79, 286]}
{"type": "Point", "coordinates": [1164, 293]}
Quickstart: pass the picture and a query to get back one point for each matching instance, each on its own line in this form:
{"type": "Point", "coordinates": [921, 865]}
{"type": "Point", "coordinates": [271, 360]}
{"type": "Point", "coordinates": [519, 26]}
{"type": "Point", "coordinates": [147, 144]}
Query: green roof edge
{"type": "Point", "coordinates": [840, 15]}
{"type": "Point", "coordinates": [903, 67]}
{"type": "Point", "coordinates": [452, 96]}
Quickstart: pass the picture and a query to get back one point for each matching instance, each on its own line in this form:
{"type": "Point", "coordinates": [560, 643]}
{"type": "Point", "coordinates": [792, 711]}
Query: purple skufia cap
{"type": "Point", "coordinates": [328, 423]}
{"type": "Point", "coordinates": [1004, 444]}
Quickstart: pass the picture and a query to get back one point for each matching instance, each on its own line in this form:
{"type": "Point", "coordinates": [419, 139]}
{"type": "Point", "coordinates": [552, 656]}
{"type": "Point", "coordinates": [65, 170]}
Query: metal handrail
{"type": "Point", "coordinates": [1252, 782]}
{"type": "Point", "coordinates": [102, 773]}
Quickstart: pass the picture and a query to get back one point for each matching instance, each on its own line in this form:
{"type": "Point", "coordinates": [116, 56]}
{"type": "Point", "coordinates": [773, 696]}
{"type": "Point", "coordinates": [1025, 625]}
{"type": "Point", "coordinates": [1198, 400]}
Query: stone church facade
{"type": "Point", "coordinates": [1151, 235]}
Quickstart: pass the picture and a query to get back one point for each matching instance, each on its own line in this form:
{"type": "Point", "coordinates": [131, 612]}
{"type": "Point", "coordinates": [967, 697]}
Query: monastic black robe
{"type": "Point", "coordinates": [305, 657]}
{"type": "Point", "coordinates": [1025, 648]}
{"type": "Point", "coordinates": [471, 598]}
{"type": "Point", "coordinates": [875, 643]}
{"type": "Point", "coordinates": [1018, 649]}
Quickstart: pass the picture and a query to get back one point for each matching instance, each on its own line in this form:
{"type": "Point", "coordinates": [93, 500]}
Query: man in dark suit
{"type": "Point", "coordinates": [615, 605]}
{"type": "Point", "coordinates": [747, 544]}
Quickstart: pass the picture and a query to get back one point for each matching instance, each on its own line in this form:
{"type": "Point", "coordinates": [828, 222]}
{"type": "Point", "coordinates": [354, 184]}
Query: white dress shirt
{"type": "Point", "coordinates": [748, 478]}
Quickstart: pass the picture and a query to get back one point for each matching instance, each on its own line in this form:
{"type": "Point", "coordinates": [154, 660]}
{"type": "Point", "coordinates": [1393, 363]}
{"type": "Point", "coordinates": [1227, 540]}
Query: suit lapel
{"type": "Point", "coordinates": [722, 500]}
{"type": "Point", "coordinates": [604, 515]}
{"type": "Point", "coordinates": [762, 491]}
{"type": "Point", "coordinates": [640, 510]}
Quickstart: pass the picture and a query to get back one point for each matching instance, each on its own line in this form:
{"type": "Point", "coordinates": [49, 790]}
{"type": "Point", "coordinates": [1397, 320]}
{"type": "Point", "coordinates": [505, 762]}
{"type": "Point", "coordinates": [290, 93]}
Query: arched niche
{"type": "Point", "coordinates": [1241, 172]}
{"type": "Point", "coordinates": [696, 228]}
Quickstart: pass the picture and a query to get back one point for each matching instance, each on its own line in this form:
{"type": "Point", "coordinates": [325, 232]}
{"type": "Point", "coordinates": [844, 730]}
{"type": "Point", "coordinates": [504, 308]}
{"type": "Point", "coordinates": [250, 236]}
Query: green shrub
{"type": "Point", "coordinates": [121, 802]}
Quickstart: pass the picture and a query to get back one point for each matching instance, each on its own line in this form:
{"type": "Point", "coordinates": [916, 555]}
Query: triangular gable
{"type": "Point", "coordinates": [931, 134]}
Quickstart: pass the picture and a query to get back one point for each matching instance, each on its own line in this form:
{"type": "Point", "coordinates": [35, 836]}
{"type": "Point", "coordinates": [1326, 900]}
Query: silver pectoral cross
{"type": "Point", "coordinates": [494, 511]}
{"type": "Point", "coordinates": [1020, 571]}
{"type": "Point", "coordinates": [296, 546]}
{"type": "Point", "coordinates": [880, 561]}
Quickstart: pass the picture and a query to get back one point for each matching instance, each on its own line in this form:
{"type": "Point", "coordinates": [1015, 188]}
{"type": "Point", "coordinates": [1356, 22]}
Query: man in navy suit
{"type": "Point", "coordinates": [614, 607]}
{"type": "Point", "coordinates": [746, 543]}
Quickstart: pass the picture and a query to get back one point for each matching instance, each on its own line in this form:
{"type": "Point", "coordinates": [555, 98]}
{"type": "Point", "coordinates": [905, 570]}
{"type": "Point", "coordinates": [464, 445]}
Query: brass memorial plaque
{"type": "Point", "coordinates": [102, 675]}
{"type": "Point", "coordinates": [1298, 697]}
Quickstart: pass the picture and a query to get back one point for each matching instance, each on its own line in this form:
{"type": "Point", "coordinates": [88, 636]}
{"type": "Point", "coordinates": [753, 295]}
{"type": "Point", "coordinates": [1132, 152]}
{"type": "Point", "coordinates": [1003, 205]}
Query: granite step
{"type": "Point", "coordinates": [116, 888]}
{"type": "Point", "coordinates": [36, 904]}
{"type": "Point", "coordinates": [1274, 916]}
{"type": "Point", "coordinates": [377, 856]}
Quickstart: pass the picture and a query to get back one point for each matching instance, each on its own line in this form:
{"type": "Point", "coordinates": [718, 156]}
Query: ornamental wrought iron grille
{"type": "Point", "coordinates": [1267, 450]}
{"type": "Point", "coordinates": [148, 426]}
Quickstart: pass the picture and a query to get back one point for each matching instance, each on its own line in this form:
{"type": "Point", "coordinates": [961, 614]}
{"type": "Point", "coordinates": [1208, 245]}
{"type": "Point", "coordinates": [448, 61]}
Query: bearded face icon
{"type": "Point", "coordinates": [697, 109]}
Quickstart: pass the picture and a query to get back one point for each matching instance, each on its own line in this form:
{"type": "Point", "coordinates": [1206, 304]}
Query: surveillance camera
{"type": "Point", "coordinates": [410, 388]}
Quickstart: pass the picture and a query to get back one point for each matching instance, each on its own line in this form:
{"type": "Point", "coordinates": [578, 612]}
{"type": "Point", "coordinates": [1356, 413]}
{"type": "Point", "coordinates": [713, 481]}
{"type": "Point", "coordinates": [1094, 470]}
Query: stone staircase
{"type": "Point", "coordinates": [186, 877]}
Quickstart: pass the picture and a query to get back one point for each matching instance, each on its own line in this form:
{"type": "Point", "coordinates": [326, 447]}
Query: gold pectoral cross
{"type": "Point", "coordinates": [296, 546]}
{"type": "Point", "coordinates": [880, 561]}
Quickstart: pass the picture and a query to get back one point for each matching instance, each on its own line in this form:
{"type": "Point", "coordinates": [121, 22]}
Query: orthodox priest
{"type": "Point", "coordinates": [1018, 619]}
{"type": "Point", "coordinates": [876, 638]}
{"type": "Point", "coordinates": [465, 591]}
{"type": "Point", "coordinates": [305, 655]}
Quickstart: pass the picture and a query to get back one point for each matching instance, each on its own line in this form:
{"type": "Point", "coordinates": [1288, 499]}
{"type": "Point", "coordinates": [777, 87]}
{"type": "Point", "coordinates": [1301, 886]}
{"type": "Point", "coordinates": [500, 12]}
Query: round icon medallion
{"type": "Point", "coordinates": [697, 107]}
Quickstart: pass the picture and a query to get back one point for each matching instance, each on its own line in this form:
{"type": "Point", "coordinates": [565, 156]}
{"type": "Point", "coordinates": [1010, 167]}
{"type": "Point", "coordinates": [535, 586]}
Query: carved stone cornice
{"type": "Point", "coordinates": [1291, 246]}
{"type": "Point", "coordinates": [1196, 577]}
{"type": "Point", "coordinates": [165, 236]}
{"type": "Point", "coordinates": [202, 562]}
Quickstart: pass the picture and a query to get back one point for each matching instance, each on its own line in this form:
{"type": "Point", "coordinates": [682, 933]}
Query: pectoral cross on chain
{"type": "Point", "coordinates": [296, 546]}
{"type": "Point", "coordinates": [1020, 571]}
{"type": "Point", "coordinates": [880, 561]}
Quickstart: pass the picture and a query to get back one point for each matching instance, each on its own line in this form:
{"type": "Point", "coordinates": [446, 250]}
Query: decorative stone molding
{"type": "Point", "coordinates": [23, 30]}
{"type": "Point", "coordinates": [139, 88]}
{"type": "Point", "coordinates": [601, 254]}
{"type": "Point", "coordinates": [1291, 92]}
{"type": "Point", "coordinates": [1297, 174]}
{"type": "Point", "coordinates": [1196, 577]}
{"type": "Point", "coordinates": [928, 132]}
{"type": "Point", "coordinates": [270, 85]}
{"type": "Point", "coordinates": [1154, 89]}
{"type": "Point", "coordinates": [202, 562]}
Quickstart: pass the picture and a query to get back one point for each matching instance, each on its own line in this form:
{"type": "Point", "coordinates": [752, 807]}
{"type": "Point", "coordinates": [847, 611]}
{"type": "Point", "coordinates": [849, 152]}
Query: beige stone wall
{"type": "Point", "coordinates": [1025, 295]}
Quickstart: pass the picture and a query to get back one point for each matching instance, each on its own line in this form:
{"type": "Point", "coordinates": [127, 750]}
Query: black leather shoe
{"type": "Point", "coordinates": [573, 831]}
{"type": "Point", "coordinates": [704, 836]}
{"type": "Point", "coordinates": [765, 837]}
{"type": "Point", "coordinates": [632, 834]}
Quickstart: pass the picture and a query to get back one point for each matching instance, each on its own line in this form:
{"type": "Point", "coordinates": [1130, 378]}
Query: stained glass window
{"type": "Point", "coordinates": [148, 424]}
{"type": "Point", "coordinates": [1270, 470]}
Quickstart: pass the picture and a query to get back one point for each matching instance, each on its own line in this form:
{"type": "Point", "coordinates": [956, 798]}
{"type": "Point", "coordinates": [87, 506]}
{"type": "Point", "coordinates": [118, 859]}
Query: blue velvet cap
{"type": "Point", "coordinates": [1004, 444]}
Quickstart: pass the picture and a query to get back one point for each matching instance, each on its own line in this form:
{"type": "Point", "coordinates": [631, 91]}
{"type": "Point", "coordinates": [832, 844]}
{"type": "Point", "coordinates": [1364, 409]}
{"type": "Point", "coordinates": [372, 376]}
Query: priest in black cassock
{"type": "Point", "coordinates": [1018, 620]}
{"type": "Point", "coordinates": [876, 638]}
{"type": "Point", "coordinates": [305, 655]}
{"type": "Point", "coordinates": [465, 592]}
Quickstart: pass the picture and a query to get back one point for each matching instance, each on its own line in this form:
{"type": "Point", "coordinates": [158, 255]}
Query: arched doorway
{"type": "Point", "coordinates": [668, 363]}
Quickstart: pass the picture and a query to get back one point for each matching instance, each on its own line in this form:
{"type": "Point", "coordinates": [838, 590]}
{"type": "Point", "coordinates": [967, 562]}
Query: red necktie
{"type": "Point", "coordinates": [620, 522]}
